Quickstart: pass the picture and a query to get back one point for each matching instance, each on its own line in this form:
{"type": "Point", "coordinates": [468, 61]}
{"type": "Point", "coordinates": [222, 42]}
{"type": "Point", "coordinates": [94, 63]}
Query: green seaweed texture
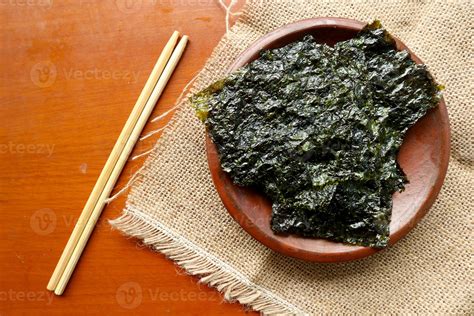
{"type": "Point", "coordinates": [318, 128]}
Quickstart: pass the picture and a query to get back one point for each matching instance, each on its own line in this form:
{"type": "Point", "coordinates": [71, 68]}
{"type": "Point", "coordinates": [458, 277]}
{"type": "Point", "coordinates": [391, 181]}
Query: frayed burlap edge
{"type": "Point", "coordinates": [193, 259]}
{"type": "Point", "coordinates": [197, 262]}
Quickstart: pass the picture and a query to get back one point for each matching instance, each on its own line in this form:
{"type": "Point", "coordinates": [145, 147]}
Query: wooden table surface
{"type": "Point", "coordinates": [70, 74]}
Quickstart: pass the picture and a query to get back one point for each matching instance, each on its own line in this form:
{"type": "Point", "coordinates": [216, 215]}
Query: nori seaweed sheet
{"type": "Point", "coordinates": [318, 129]}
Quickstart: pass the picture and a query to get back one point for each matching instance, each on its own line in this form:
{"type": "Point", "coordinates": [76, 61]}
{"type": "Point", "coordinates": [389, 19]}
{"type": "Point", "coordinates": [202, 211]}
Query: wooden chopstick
{"type": "Point", "coordinates": [112, 160]}
{"type": "Point", "coordinates": [157, 91]}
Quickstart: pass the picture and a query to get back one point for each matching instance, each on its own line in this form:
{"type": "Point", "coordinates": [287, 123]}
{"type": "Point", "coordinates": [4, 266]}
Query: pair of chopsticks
{"type": "Point", "coordinates": [154, 86]}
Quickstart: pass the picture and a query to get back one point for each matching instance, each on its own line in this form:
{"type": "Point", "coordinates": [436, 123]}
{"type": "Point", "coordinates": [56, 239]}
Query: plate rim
{"type": "Point", "coordinates": [273, 242]}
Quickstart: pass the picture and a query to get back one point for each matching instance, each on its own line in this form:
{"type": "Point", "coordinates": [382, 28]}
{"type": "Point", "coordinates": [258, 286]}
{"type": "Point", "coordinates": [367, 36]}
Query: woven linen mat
{"type": "Point", "coordinates": [175, 209]}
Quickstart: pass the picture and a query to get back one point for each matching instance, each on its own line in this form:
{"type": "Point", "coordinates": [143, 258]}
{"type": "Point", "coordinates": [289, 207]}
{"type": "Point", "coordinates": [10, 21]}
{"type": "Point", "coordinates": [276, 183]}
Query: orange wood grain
{"type": "Point", "coordinates": [70, 74]}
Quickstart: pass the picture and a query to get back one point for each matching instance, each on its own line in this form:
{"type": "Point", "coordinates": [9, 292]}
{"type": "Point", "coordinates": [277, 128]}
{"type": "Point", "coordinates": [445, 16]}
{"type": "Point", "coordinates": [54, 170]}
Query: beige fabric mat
{"type": "Point", "coordinates": [176, 209]}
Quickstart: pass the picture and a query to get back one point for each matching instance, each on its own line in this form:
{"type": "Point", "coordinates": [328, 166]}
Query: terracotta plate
{"type": "Point", "coordinates": [423, 156]}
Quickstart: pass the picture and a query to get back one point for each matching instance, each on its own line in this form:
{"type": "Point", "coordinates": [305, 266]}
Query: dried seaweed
{"type": "Point", "coordinates": [318, 129]}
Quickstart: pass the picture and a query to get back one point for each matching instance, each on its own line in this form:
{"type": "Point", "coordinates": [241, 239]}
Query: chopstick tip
{"type": "Point", "coordinates": [58, 291]}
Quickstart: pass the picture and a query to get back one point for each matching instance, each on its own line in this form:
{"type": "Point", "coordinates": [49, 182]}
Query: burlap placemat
{"type": "Point", "coordinates": [176, 210]}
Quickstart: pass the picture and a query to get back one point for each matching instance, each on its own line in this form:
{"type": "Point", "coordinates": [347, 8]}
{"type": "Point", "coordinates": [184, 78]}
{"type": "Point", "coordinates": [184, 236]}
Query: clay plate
{"type": "Point", "coordinates": [423, 156]}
